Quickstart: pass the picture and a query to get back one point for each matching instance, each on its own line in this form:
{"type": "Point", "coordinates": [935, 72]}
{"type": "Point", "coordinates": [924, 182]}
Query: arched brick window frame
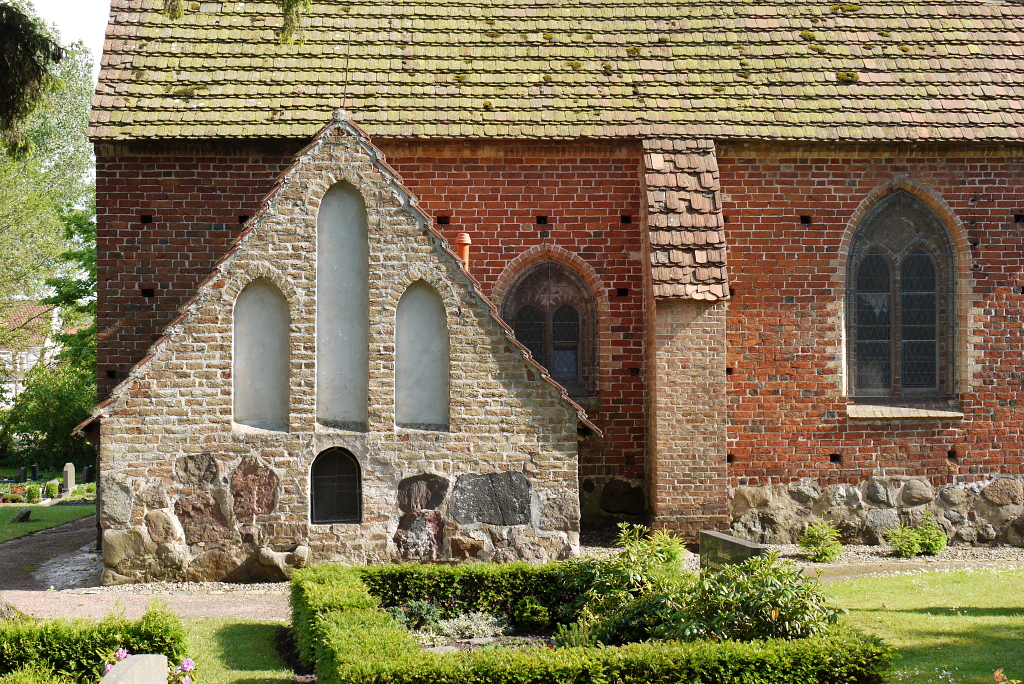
{"type": "Point", "coordinates": [336, 488]}
{"type": "Point", "coordinates": [901, 309]}
{"type": "Point", "coordinates": [554, 314]}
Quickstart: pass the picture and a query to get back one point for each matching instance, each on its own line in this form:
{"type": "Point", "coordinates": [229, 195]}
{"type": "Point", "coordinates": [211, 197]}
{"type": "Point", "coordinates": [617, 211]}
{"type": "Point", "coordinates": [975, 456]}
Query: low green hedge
{"type": "Point", "coordinates": [340, 628]}
{"type": "Point", "coordinates": [76, 648]}
{"type": "Point", "coordinates": [490, 587]}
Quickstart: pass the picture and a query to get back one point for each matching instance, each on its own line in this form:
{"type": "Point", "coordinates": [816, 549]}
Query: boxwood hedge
{"type": "Point", "coordinates": [341, 630]}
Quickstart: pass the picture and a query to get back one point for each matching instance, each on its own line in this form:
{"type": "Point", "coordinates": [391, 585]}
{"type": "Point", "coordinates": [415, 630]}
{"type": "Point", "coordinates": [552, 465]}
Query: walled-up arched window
{"type": "Point", "coordinates": [901, 315]}
{"type": "Point", "coordinates": [421, 359]}
{"type": "Point", "coordinates": [261, 356]}
{"type": "Point", "coordinates": [342, 314]}
{"type": "Point", "coordinates": [554, 315]}
{"type": "Point", "coordinates": [335, 488]}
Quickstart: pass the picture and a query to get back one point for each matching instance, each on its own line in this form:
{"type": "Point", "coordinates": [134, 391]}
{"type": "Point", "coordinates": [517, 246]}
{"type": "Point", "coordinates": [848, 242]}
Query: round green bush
{"type": "Point", "coordinates": [33, 493]}
{"type": "Point", "coordinates": [52, 490]}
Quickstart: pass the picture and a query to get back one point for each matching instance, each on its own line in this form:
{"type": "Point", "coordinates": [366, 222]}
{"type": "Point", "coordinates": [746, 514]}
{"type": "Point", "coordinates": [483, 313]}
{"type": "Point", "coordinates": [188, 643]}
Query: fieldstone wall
{"type": "Point", "coordinates": [979, 512]}
{"type": "Point", "coordinates": [187, 493]}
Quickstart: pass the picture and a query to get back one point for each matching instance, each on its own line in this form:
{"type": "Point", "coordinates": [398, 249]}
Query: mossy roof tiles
{"type": "Point", "coordinates": [917, 70]}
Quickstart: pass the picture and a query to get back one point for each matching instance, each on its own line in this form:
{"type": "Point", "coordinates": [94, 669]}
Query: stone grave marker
{"type": "Point", "coordinates": [21, 475]}
{"type": "Point", "coordinates": [87, 473]}
{"type": "Point", "coordinates": [69, 478]}
{"type": "Point", "coordinates": [35, 472]}
{"type": "Point", "coordinates": [22, 515]}
{"type": "Point", "coordinates": [138, 669]}
{"type": "Point", "coordinates": [718, 550]}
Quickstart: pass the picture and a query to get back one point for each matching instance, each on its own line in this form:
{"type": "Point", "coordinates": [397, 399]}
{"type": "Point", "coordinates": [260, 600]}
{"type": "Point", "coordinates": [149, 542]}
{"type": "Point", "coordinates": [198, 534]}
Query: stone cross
{"type": "Point", "coordinates": [69, 478]}
{"type": "Point", "coordinates": [718, 550]}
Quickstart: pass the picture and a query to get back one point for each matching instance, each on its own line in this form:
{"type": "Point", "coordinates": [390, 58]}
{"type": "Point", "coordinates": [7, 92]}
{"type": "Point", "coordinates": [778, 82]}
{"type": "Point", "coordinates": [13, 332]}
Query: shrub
{"type": "Point", "coordinates": [821, 541]}
{"type": "Point", "coordinates": [90, 488]}
{"type": "Point", "coordinates": [475, 625]}
{"type": "Point", "coordinates": [927, 538]}
{"type": "Point", "coordinates": [32, 494]}
{"type": "Point", "coordinates": [530, 614]}
{"type": "Point", "coordinates": [76, 648]}
{"type": "Point", "coordinates": [415, 614]}
{"type": "Point", "coordinates": [33, 674]}
{"type": "Point", "coordinates": [52, 489]}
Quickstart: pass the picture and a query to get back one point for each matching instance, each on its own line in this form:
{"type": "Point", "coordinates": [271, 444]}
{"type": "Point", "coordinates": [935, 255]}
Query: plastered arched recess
{"type": "Point", "coordinates": [421, 359]}
{"type": "Point", "coordinates": [261, 356]}
{"type": "Point", "coordinates": [433, 277]}
{"type": "Point", "coordinates": [241, 278]}
{"type": "Point", "coordinates": [343, 305]}
{"type": "Point", "coordinates": [963, 290]}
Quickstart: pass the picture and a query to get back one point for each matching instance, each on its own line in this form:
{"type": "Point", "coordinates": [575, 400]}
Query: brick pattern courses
{"type": "Point", "coordinates": [495, 192]}
{"type": "Point", "coordinates": [194, 196]}
{"type": "Point", "coordinates": [785, 324]}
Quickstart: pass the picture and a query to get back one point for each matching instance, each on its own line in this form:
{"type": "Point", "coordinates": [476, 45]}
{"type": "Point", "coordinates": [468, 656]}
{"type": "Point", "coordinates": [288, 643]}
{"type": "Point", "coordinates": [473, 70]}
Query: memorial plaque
{"type": "Point", "coordinates": [718, 550]}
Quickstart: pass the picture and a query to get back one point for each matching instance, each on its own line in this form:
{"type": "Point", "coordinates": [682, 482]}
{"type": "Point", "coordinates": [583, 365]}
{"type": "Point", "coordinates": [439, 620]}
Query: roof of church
{"type": "Point", "coordinates": [791, 69]}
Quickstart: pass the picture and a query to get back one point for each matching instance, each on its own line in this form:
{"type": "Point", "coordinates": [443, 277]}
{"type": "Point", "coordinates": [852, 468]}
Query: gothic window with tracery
{"type": "Point", "coordinates": [900, 298]}
{"type": "Point", "coordinates": [554, 315]}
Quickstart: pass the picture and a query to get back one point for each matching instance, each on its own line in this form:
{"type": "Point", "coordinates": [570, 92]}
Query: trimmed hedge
{"type": "Point", "coordinates": [491, 587]}
{"type": "Point", "coordinates": [76, 648]}
{"type": "Point", "coordinates": [340, 627]}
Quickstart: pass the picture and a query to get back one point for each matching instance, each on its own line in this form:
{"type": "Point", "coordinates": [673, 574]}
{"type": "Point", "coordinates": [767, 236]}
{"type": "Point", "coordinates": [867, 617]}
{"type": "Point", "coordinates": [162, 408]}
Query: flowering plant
{"type": "Point", "coordinates": [182, 674]}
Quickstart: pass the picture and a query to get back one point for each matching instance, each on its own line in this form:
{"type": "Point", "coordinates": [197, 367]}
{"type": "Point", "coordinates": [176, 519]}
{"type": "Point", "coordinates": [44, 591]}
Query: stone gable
{"type": "Point", "coordinates": [188, 493]}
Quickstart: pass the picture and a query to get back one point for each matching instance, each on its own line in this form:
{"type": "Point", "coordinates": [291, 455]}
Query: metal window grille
{"type": "Point", "coordinates": [874, 324]}
{"type": "Point", "coordinates": [336, 490]}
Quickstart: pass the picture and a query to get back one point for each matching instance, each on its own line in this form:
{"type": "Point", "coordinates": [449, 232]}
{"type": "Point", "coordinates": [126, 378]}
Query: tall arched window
{"type": "Point", "coordinates": [901, 316]}
{"type": "Point", "coordinates": [421, 359]}
{"type": "Point", "coordinates": [554, 315]}
{"type": "Point", "coordinates": [261, 355]}
{"type": "Point", "coordinates": [335, 488]}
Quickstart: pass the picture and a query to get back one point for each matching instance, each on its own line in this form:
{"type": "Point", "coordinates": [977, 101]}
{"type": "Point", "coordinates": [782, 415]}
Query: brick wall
{"type": "Point", "coordinates": [495, 192]}
{"type": "Point", "coordinates": [785, 325]}
{"type": "Point", "coordinates": [687, 479]}
{"type": "Point", "coordinates": [195, 195]}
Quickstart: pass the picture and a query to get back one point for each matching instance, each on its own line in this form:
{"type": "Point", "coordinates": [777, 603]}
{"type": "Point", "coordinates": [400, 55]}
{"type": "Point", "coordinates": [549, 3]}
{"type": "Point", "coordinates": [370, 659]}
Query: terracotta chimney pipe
{"type": "Point", "coordinates": [462, 243]}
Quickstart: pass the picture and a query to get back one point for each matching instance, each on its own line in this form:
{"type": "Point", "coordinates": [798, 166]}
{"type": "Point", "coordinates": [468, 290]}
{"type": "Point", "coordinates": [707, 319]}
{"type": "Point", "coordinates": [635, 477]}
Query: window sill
{"type": "Point", "coordinates": [907, 410]}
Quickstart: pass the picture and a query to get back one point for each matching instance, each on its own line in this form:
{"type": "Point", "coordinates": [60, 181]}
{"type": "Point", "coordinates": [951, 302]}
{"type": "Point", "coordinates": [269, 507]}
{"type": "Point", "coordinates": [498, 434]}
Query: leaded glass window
{"type": "Point", "coordinates": [336, 491]}
{"type": "Point", "coordinates": [901, 302]}
{"type": "Point", "coordinates": [874, 324]}
{"type": "Point", "coordinates": [529, 328]}
{"type": "Point", "coordinates": [565, 344]}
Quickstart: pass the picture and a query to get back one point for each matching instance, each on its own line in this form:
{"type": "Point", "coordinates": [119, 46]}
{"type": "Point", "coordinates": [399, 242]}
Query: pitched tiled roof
{"type": "Point", "coordinates": [684, 218]}
{"type": "Point", "coordinates": [796, 69]}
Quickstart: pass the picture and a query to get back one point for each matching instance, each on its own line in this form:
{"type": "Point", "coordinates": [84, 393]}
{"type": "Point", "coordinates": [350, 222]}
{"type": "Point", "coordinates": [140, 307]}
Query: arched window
{"type": "Point", "coordinates": [901, 302]}
{"type": "Point", "coordinates": [261, 355]}
{"type": "Point", "coordinates": [342, 313]}
{"type": "Point", "coordinates": [421, 359]}
{"type": "Point", "coordinates": [335, 488]}
{"type": "Point", "coordinates": [554, 315]}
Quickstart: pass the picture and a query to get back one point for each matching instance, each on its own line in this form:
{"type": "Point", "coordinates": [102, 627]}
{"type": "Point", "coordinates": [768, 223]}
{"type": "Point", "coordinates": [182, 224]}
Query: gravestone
{"type": "Point", "coordinates": [22, 515]}
{"type": "Point", "coordinates": [69, 478]}
{"type": "Point", "coordinates": [718, 550]}
{"type": "Point", "coordinates": [35, 472]}
{"type": "Point", "coordinates": [88, 474]}
{"type": "Point", "coordinates": [21, 475]}
{"type": "Point", "coordinates": [138, 669]}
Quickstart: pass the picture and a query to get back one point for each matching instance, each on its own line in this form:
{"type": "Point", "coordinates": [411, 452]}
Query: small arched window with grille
{"type": "Point", "coordinates": [336, 488]}
{"type": "Point", "coordinates": [901, 316]}
{"type": "Point", "coordinates": [554, 315]}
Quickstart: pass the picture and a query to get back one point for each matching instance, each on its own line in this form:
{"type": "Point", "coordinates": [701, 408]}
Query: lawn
{"type": "Point", "coordinates": [954, 627]}
{"type": "Point", "coordinates": [232, 652]}
{"type": "Point", "coordinates": [43, 517]}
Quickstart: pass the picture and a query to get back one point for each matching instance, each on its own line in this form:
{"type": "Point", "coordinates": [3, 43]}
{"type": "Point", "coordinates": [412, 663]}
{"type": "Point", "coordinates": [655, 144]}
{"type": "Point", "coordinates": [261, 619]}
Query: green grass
{"type": "Point", "coordinates": [43, 518]}
{"type": "Point", "coordinates": [232, 652]}
{"type": "Point", "coordinates": [966, 624]}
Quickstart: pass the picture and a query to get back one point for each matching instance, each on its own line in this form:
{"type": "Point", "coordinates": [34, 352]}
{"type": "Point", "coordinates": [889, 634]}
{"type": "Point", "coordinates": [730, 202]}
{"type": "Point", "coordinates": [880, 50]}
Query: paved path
{"type": "Point", "coordinates": [83, 603]}
{"type": "Point", "coordinates": [21, 559]}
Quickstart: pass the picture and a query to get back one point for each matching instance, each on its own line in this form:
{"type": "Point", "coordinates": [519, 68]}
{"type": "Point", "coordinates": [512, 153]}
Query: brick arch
{"type": "Point", "coordinates": [539, 253]}
{"type": "Point", "coordinates": [444, 288]}
{"type": "Point", "coordinates": [255, 271]}
{"type": "Point", "coordinates": [963, 292]}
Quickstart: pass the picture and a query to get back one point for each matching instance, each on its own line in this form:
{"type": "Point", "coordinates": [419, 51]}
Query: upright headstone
{"type": "Point", "coordinates": [69, 478]}
{"type": "Point", "coordinates": [35, 472]}
{"type": "Point", "coordinates": [87, 473]}
{"type": "Point", "coordinates": [138, 669]}
{"type": "Point", "coordinates": [718, 550]}
{"type": "Point", "coordinates": [21, 475]}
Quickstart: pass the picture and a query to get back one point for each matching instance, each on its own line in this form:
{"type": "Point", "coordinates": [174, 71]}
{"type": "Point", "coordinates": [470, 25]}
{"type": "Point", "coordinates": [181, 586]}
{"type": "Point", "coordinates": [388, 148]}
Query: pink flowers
{"type": "Point", "coordinates": [122, 653]}
{"type": "Point", "coordinates": [108, 668]}
{"type": "Point", "coordinates": [187, 665]}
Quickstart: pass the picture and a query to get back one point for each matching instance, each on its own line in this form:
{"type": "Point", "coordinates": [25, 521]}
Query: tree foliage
{"type": "Point", "coordinates": [28, 53]}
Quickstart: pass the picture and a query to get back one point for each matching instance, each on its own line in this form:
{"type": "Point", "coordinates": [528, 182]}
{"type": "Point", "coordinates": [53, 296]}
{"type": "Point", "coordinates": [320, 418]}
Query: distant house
{"type": "Point", "coordinates": [29, 329]}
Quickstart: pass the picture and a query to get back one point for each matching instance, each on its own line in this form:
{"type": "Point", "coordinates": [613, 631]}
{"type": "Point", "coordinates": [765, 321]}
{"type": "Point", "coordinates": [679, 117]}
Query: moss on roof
{"type": "Point", "coordinates": [920, 70]}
